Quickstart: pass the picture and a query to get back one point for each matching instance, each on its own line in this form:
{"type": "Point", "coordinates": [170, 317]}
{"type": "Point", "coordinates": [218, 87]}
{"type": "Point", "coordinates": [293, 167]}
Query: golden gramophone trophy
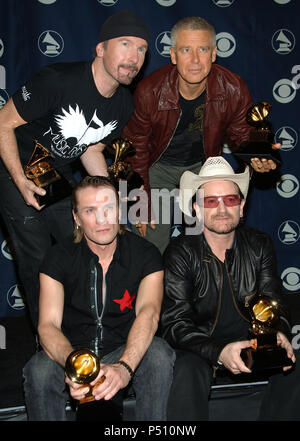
{"type": "Point", "coordinates": [265, 353]}
{"type": "Point", "coordinates": [82, 367]}
{"type": "Point", "coordinates": [120, 170]}
{"type": "Point", "coordinates": [261, 136]}
{"type": "Point", "coordinates": [41, 172]}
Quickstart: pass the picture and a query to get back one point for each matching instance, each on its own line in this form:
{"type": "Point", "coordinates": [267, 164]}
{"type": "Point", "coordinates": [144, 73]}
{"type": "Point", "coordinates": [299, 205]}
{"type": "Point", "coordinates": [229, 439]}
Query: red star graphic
{"type": "Point", "coordinates": [125, 301]}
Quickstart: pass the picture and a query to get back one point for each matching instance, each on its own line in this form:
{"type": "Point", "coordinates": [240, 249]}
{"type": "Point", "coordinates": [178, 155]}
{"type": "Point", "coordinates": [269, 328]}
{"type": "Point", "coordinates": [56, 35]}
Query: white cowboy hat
{"type": "Point", "coordinates": [214, 169]}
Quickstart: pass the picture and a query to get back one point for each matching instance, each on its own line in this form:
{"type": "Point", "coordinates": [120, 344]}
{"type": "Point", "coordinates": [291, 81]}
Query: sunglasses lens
{"type": "Point", "coordinates": [230, 200]}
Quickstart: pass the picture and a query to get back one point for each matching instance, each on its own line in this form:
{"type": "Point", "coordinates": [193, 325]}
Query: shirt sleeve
{"type": "Point", "coordinates": [38, 97]}
{"type": "Point", "coordinates": [153, 261]}
{"type": "Point", "coordinates": [53, 264]}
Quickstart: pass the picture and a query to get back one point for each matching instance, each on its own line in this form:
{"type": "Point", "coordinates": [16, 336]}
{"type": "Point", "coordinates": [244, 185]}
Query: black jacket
{"type": "Point", "coordinates": [193, 286]}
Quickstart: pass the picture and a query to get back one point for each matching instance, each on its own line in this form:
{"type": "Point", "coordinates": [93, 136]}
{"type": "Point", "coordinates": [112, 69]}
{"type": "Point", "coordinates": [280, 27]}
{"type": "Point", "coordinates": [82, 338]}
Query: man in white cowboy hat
{"type": "Point", "coordinates": [209, 278]}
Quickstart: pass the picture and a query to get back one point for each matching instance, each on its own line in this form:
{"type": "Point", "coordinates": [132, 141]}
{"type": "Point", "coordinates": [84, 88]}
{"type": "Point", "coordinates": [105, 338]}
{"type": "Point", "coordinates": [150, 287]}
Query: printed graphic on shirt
{"type": "Point", "coordinates": [75, 133]}
{"type": "Point", "coordinates": [197, 124]}
{"type": "Point", "coordinates": [125, 301]}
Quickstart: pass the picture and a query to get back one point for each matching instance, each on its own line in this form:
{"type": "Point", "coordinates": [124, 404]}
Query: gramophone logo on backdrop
{"type": "Point", "coordinates": [291, 278]}
{"type": "Point", "coordinates": [223, 3]}
{"type": "Point", "coordinates": [289, 232]}
{"type": "Point", "coordinates": [14, 298]}
{"type": "Point", "coordinates": [287, 137]}
{"type": "Point", "coordinates": [283, 41]}
{"type": "Point", "coordinates": [2, 77]}
{"type": "Point", "coordinates": [2, 68]}
{"type": "Point", "coordinates": [163, 43]}
{"type": "Point", "coordinates": [5, 250]}
{"type": "Point", "coordinates": [108, 2]}
{"type": "Point", "coordinates": [282, 2]}
{"type": "Point", "coordinates": [288, 186]}
{"type": "Point", "coordinates": [3, 97]}
{"type": "Point", "coordinates": [51, 43]}
{"type": "Point", "coordinates": [1, 47]}
{"type": "Point", "coordinates": [47, 2]}
{"type": "Point", "coordinates": [226, 44]}
{"type": "Point", "coordinates": [284, 91]}
{"type": "Point", "coordinates": [166, 2]}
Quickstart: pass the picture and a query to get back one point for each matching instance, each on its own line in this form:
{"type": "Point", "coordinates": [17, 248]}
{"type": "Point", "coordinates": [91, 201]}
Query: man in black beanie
{"type": "Point", "coordinates": [73, 110]}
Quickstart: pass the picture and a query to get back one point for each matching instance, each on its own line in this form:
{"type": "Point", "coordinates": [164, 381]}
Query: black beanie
{"type": "Point", "coordinates": [123, 24]}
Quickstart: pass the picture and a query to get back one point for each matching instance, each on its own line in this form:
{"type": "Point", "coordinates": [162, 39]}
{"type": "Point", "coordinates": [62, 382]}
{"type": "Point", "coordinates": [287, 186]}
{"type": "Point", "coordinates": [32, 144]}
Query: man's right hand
{"type": "Point", "coordinates": [230, 356]}
{"type": "Point", "coordinates": [142, 228]}
{"type": "Point", "coordinates": [28, 190]}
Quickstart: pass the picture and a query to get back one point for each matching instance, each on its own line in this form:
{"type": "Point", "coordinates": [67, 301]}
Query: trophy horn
{"type": "Point", "coordinates": [258, 112]}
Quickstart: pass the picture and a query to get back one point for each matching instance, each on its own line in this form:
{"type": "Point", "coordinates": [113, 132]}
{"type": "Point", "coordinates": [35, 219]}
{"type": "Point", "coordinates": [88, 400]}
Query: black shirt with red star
{"type": "Point", "coordinates": [87, 322]}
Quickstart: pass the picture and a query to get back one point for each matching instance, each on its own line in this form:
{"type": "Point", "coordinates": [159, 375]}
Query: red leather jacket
{"type": "Point", "coordinates": [157, 113]}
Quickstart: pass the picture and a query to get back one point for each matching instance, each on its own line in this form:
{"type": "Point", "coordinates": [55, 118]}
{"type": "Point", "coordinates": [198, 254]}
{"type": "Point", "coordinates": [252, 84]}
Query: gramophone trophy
{"type": "Point", "coordinates": [265, 353]}
{"type": "Point", "coordinates": [42, 173]}
{"type": "Point", "coordinates": [82, 367]}
{"type": "Point", "coordinates": [120, 170]}
{"type": "Point", "coordinates": [261, 137]}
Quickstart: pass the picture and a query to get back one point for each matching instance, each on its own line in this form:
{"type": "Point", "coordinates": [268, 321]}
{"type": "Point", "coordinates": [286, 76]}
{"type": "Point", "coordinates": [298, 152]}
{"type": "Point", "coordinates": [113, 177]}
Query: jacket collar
{"type": "Point", "coordinates": [229, 254]}
{"type": "Point", "coordinates": [169, 95]}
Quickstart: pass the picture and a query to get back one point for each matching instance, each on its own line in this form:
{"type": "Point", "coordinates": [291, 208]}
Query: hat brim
{"type": "Point", "coordinates": [190, 182]}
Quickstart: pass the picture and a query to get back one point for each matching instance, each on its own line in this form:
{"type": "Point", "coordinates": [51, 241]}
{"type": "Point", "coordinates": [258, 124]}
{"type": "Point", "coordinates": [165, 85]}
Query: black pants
{"type": "Point", "coordinates": [32, 232]}
{"type": "Point", "coordinates": [189, 395]}
{"type": "Point", "coordinates": [192, 379]}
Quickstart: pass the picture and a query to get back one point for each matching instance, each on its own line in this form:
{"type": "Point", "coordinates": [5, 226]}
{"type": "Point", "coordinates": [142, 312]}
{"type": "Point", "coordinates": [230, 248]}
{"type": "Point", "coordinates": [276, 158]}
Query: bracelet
{"type": "Point", "coordinates": [127, 367]}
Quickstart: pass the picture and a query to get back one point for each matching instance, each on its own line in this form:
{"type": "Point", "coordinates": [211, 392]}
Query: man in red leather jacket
{"type": "Point", "coordinates": [183, 113]}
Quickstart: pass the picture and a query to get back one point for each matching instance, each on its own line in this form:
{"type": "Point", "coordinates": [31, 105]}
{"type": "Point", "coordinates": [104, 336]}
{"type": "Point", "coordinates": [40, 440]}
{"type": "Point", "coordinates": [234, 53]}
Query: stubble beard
{"type": "Point", "coordinates": [227, 228]}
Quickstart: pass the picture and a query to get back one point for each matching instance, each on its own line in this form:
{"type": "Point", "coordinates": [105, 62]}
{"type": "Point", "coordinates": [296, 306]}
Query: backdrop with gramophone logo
{"type": "Point", "coordinates": [258, 39]}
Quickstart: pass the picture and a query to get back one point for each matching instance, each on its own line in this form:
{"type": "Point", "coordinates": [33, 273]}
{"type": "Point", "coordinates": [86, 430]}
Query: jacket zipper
{"type": "Point", "coordinates": [232, 294]}
{"type": "Point", "coordinates": [99, 326]}
{"type": "Point", "coordinates": [220, 298]}
{"type": "Point", "coordinates": [180, 115]}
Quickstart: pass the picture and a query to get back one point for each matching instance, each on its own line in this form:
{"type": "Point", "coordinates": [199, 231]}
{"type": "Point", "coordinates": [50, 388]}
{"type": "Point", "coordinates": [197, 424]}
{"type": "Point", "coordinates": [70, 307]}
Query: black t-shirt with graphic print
{"type": "Point", "coordinates": [186, 146]}
{"type": "Point", "coordinates": [66, 113]}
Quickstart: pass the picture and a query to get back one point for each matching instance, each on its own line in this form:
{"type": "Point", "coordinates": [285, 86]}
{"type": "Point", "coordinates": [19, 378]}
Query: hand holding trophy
{"type": "Point", "coordinates": [120, 170]}
{"type": "Point", "coordinates": [82, 367]}
{"type": "Point", "coordinates": [265, 354]}
{"type": "Point", "coordinates": [41, 172]}
{"type": "Point", "coordinates": [261, 136]}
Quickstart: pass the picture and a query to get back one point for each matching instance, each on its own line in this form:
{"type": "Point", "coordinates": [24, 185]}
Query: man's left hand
{"type": "Point", "coordinates": [265, 165]}
{"type": "Point", "coordinates": [116, 378]}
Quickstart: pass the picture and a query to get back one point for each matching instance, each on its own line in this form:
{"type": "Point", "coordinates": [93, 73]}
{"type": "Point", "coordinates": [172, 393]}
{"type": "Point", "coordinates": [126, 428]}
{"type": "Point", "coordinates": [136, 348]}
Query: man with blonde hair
{"type": "Point", "coordinates": [103, 293]}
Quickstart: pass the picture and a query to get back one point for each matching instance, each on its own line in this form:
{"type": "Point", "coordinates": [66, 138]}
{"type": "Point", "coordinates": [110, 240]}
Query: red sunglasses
{"type": "Point", "coordinates": [230, 200]}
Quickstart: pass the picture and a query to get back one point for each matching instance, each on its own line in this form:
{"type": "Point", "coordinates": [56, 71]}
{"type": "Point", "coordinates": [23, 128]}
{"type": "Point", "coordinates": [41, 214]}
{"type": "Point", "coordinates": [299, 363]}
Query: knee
{"type": "Point", "coordinates": [192, 366]}
{"type": "Point", "coordinates": [160, 357]}
{"type": "Point", "coordinates": [40, 370]}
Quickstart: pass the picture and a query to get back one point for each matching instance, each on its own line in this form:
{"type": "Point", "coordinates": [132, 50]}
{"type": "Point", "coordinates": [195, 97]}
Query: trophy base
{"type": "Point", "coordinates": [133, 179]}
{"type": "Point", "coordinates": [265, 358]}
{"type": "Point", "coordinates": [100, 410]}
{"type": "Point", "coordinates": [55, 191]}
{"type": "Point", "coordinates": [260, 150]}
